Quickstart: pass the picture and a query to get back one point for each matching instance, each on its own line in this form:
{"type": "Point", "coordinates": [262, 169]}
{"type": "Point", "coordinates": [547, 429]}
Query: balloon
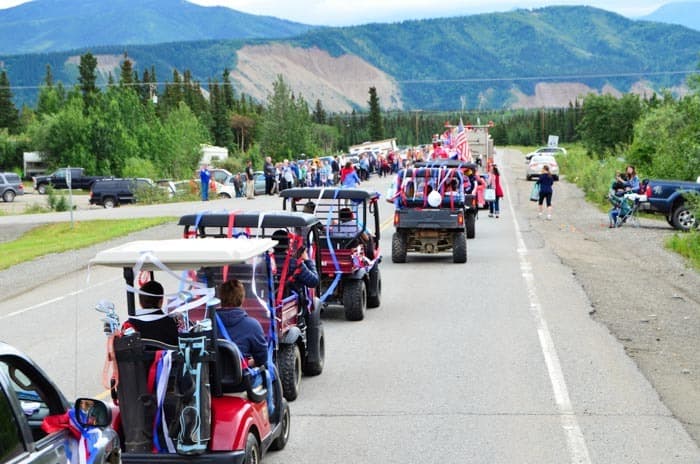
{"type": "Point", "coordinates": [434, 199]}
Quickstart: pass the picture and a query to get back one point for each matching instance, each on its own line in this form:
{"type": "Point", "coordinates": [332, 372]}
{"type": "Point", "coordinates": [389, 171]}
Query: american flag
{"type": "Point", "coordinates": [461, 144]}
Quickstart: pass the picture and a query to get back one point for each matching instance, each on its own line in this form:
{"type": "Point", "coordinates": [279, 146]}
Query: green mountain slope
{"type": "Point", "coordinates": [489, 59]}
{"type": "Point", "coordinates": [52, 25]}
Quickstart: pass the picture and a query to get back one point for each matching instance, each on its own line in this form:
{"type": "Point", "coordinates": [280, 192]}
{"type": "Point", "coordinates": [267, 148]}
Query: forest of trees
{"type": "Point", "coordinates": [130, 128]}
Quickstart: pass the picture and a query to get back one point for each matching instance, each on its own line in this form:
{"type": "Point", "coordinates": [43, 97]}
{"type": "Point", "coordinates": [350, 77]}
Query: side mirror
{"type": "Point", "coordinates": [92, 413]}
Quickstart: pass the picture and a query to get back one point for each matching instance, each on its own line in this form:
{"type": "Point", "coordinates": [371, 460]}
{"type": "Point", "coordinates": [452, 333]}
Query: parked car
{"type": "Point", "coordinates": [114, 192]}
{"type": "Point", "coordinates": [10, 186]}
{"type": "Point", "coordinates": [534, 167]}
{"type": "Point", "coordinates": [29, 400]}
{"type": "Point", "coordinates": [546, 151]}
{"type": "Point", "coordinates": [59, 180]}
{"type": "Point", "coordinates": [668, 197]}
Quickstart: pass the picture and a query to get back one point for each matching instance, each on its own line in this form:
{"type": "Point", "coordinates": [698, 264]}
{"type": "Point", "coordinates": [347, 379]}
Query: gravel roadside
{"type": "Point", "coordinates": [647, 296]}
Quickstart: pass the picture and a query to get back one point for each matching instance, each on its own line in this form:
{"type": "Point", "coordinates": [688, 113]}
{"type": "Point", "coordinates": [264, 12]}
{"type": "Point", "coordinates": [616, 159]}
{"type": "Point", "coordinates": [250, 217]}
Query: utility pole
{"type": "Point", "coordinates": [416, 111]}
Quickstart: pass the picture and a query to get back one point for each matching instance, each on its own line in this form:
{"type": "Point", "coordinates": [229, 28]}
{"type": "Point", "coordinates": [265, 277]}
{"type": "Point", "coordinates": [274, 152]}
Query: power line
{"type": "Point", "coordinates": [421, 81]}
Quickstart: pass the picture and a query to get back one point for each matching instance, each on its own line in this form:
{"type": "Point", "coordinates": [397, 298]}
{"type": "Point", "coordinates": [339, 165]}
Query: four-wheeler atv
{"type": "Point", "coordinates": [350, 253]}
{"type": "Point", "coordinates": [300, 330]}
{"type": "Point", "coordinates": [197, 401]}
{"type": "Point", "coordinates": [429, 213]}
{"type": "Point", "coordinates": [471, 206]}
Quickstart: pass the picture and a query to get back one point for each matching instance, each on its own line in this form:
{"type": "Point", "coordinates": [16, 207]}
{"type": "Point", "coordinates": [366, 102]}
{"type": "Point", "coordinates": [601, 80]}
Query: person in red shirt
{"type": "Point", "coordinates": [495, 183]}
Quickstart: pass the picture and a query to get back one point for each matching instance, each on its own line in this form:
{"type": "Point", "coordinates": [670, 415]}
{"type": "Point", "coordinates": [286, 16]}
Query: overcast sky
{"type": "Point", "coordinates": [349, 12]}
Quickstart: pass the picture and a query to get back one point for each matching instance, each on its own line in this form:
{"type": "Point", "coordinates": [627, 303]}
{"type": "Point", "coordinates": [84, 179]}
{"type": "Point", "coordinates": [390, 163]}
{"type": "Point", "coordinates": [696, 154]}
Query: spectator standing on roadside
{"type": "Point", "coordinates": [495, 183]}
{"type": "Point", "coordinates": [204, 177]}
{"type": "Point", "coordinates": [546, 182]}
{"type": "Point", "coordinates": [249, 181]}
{"type": "Point", "coordinates": [269, 170]}
{"type": "Point", "coordinates": [335, 169]}
{"type": "Point", "coordinates": [348, 176]}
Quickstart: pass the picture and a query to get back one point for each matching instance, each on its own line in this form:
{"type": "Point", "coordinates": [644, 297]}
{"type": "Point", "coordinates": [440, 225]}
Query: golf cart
{"type": "Point", "coordinates": [350, 253]}
{"type": "Point", "coordinates": [198, 401]}
{"type": "Point", "coordinates": [300, 330]}
{"type": "Point", "coordinates": [471, 206]}
{"type": "Point", "coordinates": [429, 213]}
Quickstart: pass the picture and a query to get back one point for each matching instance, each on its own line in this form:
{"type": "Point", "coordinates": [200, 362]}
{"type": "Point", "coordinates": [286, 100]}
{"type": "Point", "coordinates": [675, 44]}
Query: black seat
{"type": "Point", "coordinates": [229, 361]}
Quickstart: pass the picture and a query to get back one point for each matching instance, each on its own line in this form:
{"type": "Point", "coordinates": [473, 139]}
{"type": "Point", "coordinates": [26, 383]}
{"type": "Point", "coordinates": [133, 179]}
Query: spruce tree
{"type": "Point", "coordinates": [376, 126]}
{"type": "Point", "coordinates": [9, 117]}
{"type": "Point", "coordinates": [87, 71]}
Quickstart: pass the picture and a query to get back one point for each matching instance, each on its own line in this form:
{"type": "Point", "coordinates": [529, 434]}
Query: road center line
{"type": "Point", "coordinates": [578, 451]}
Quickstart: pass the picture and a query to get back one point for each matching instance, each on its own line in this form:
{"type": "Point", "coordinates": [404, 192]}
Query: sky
{"type": "Point", "coordinates": [353, 12]}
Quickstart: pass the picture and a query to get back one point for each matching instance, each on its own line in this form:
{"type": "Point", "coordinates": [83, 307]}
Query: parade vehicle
{"type": "Point", "coordinates": [429, 213]}
{"type": "Point", "coordinates": [39, 425]}
{"type": "Point", "coordinates": [299, 329]}
{"type": "Point", "coordinates": [471, 206]}
{"type": "Point", "coordinates": [350, 253]}
{"type": "Point", "coordinates": [199, 401]}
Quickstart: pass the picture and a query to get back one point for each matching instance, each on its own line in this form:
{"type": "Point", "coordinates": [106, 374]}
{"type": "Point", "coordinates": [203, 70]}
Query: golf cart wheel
{"type": "Point", "coordinates": [459, 248]}
{"type": "Point", "coordinates": [354, 299]}
{"type": "Point", "coordinates": [315, 367]}
{"type": "Point", "coordinates": [281, 441]}
{"type": "Point", "coordinates": [398, 247]}
{"type": "Point", "coordinates": [252, 450]}
{"type": "Point", "coordinates": [290, 370]}
{"type": "Point", "coordinates": [470, 224]}
{"type": "Point", "coordinates": [375, 284]}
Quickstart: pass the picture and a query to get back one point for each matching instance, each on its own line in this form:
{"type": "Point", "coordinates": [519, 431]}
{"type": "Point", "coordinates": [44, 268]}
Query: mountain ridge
{"type": "Point", "coordinates": [523, 58]}
{"type": "Point", "coordinates": [44, 26]}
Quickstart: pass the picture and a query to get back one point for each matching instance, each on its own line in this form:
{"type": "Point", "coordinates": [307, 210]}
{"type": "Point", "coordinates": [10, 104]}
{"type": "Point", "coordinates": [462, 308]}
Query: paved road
{"type": "Point", "coordinates": [493, 361]}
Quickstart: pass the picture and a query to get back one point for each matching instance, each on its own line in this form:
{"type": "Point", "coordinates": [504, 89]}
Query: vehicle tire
{"type": "Point", "coordinates": [252, 450]}
{"type": "Point", "coordinates": [683, 218]}
{"type": "Point", "coordinates": [289, 361]}
{"type": "Point", "coordinates": [398, 247]}
{"type": "Point", "coordinates": [109, 202]}
{"type": "Point", "coordinates": [528, 177]}
{"type": "Point", "coordinates": [317, 336]}
{"type": "Point", "coordinates": [459, 248]}
{"type": "Point", "coordinates": [224, 196]}
{"type": "Point", "coordinates": [470, 224]}
{"type": "Point", "coordinates": [41, 189]}
{"type": "Point", "coordinates": [281, 441]}
{"type": "Point", "coordinates": [374, 299]}
{"type": "Point", "coordinates": [8, 196]}
{"type": "Point", "coordinates": [355, 299]}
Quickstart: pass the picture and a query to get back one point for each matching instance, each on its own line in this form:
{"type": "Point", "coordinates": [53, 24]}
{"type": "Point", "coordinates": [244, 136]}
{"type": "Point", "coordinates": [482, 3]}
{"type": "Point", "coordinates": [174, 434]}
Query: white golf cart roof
{"type": "Point", "coordinates": [184, 253]}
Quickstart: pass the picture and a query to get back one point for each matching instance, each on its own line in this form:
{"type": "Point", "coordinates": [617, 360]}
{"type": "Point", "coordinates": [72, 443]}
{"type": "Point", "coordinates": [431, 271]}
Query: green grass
{"type": "Point", "coordinates": [687, 245]}
{"type": "Point", "coordinates": [60, 237]}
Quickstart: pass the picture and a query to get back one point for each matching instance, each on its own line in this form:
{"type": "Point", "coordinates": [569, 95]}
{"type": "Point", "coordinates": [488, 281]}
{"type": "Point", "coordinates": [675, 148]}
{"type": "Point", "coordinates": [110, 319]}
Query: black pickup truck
{"type": "Point", "coordinates": [668, 197]}
{"type": "Point", "coordinates": [59, 180]}
{"type": "Point", "coordinates": [27, 398]}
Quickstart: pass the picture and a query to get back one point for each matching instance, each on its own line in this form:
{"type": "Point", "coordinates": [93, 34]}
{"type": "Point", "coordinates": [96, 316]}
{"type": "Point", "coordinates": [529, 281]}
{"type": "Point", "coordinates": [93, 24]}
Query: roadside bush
{"type": "Point", "coordinates": [687, 245]}
{"type": "Point", "coordinates": [592, 175]}
{"type": "Point", "coordinates": [151, 195]}
{"type": "Point", "coordinates": [56, 202]}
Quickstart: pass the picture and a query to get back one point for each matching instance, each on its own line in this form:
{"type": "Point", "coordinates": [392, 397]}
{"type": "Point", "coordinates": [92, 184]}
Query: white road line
{"type": "Point", "coordinates": [578, 451]}
{"type": "Point", "coordinates": [54, 300]}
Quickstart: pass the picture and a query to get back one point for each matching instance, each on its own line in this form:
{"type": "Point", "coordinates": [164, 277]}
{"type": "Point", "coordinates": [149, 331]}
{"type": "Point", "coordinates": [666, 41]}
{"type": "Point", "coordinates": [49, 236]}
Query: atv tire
{"type": "Point", "coordinates": [459, 248]}
{"type": "Point", "coordinates": [399, 246]}
{"type": "Point", "coordinates": [470, 224]}
{"type": "Point", "coordinates": [289, 360]}
{"type": "Point", "coordinates": [375, 284]}
{"type": "Point", "coordinates": [355, 299]}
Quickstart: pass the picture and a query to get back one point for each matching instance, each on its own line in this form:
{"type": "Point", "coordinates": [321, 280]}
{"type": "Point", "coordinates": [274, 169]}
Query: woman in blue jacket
{"type": "Point", "coordinates": [545, 181]}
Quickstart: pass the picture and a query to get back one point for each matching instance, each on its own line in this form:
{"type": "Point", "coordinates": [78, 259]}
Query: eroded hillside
{"type": "Point", "coordinates": [341, 83]}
